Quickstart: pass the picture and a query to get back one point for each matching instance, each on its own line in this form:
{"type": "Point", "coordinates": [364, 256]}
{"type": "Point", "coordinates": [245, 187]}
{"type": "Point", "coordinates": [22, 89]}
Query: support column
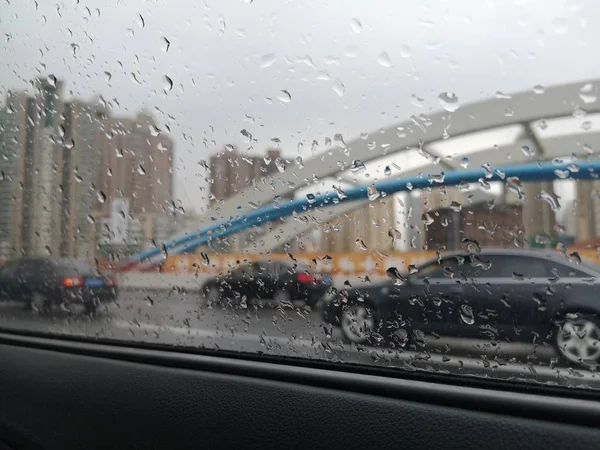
{"type": "Point", "coordinates": [585, 219]}
{"type": "Point", "coordinates": [538, 216]}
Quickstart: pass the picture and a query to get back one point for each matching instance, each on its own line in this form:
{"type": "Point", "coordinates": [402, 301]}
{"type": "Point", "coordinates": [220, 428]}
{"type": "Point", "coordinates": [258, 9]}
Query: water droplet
{"type": "Point", "coordinates": [373, 193]}
{"type": "Point", "coordinates": [436, 178]}
{"type": "Point", "coordinates": [101, 196]}
{"type": "Point", "coordinates": [466, 314]}
{"type": "Point", "coordinates": [455, 206]}
{"type": "Point", "coordinates": [464, 162]}
{"type": "Point", "coordinates": [311, 198]}
{"type": "Point", "coordinates": [356, 25]}
{"type": "Point", "coordinates": [167, 83]}
{"type": "Point", "coordinates": [69, 144]}
{"type": "Point", "coordinates": [141, 21]}
{"type": "Point", "coordinates": [574, 258]}
{"type": "Point", "coordinates": [299, 162]}
{"type": "Point", "coordinates": [527, 151]}
{"type": "Point", "coordinates": [405, 51]}
{"type": "Point", "coordinates": [280, 164]}
{"type": "Point", "coordinates": [543, 239]}
{"type": "Point", "coordinates": [91, 219]}
{"type": "Point", "coordinates": [538, 89]}
{"type": "Point", "coordinates": [267, 60]}
{"type": "Point", "coordinates": [384, 60]}
{"type": "Point", "coordinates": [284, 96]}
{"type": "Point", "coordinates": [395, 275]}
{"type": "Point", "coordinates": [166, 44]}
{"type": "Point", "coordinates": [360, 244]}
{"type": "Point", "coordinates": [52, 81]}
{"type": "Point", "coordinates": [338, 87]}
{"type": "Point", "coordinates": [141, 170]}
{"type": "Point", "coordinates": [387, 171]}
{"type": "Point", "coordinates": [449, 101]}
{"type": "Point", "coordinates": [341, 194]}
{"type": "Point", "coordinates": [154, 131]}
{"type": "Point", "coordinates": [107, 76]}
{"type": "Point", "coordinates": [587, 93]}
{"type": "Point", "coordinates": [552, 199]}
{"type": "Point", "coordinates": [426, 219]}
{"type": "Point", "coordinates": [205, 259]}
{"type": "Point", "coordinates": [357, 166]}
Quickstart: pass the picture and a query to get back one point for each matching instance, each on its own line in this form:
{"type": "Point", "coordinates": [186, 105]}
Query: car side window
{"type": "Point", "coordinates": [508, 266]}
{"type": "Point", "coordinates": [557, 269]}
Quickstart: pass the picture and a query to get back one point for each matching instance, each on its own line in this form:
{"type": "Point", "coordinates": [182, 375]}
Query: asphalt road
{"type": "Point", "coordinates": [174, 317]}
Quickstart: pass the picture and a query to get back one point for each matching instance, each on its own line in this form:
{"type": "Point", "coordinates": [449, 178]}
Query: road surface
{"type": "Point", "coordinates": [175, 317]}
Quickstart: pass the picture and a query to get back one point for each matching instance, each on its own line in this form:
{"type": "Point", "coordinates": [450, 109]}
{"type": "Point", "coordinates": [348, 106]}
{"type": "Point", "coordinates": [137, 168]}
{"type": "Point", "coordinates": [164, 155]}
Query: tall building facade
{"type": "Point", "coordinates": [64, 163]}
{"type": "Point", "coordinates": [13, 141]}
{"type": "Point", "coordinates": [231, 173]}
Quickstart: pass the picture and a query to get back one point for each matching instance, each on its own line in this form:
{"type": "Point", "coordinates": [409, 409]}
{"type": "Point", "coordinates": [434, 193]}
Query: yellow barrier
{"type": "Point", "coordinates": [361, 264]}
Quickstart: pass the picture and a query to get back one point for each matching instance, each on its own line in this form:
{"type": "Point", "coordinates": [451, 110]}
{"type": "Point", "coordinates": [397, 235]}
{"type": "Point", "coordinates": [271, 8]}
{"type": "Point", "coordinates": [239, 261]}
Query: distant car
{"type": "Point", "coordinates": [42, 283]}
{"type": "Point", "coordinates": [269, 280]}
{"type": "Point", "coordinates": [499, 295]}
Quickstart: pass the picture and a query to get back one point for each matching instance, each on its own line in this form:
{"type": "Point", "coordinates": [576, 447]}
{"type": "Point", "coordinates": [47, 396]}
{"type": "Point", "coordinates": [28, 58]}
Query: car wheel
{"type": "Point", "coordinates": [38, 303]}
{"type": "Point", "coordinates": [578, 339]}
{"type": "Point", "coordinates": [357, 323]}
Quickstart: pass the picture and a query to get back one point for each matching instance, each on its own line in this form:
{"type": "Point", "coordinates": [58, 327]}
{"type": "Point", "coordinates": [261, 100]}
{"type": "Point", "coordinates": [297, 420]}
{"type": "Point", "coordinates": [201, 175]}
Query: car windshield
{"type": "Point", "coordinates": [412, 186]}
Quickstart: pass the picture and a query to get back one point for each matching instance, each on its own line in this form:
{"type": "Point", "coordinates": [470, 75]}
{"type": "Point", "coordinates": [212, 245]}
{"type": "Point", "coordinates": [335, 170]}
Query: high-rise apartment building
{"type": "Point", "coordinates": [13, 140]}
{"type": "Point", "coordinates": [62, 165]}
{"type": "Point", "coordinates": [232, 172]}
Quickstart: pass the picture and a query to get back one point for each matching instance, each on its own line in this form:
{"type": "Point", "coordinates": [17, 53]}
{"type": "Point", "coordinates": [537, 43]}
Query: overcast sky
{"type": "Point", "coordinates": [349, 66]}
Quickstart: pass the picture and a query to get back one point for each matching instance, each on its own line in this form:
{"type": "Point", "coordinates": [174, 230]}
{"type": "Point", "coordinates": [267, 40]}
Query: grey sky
{"type": "Point", "coordinates": [219, 60]}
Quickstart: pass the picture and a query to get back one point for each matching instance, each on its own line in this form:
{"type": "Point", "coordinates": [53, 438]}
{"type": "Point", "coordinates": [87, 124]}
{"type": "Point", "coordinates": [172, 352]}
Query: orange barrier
{"type": "Point", "coordinates": [373, 264]}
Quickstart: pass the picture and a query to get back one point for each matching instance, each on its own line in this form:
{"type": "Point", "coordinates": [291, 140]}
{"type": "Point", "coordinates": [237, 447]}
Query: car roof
{"type": "Point", "coordinates": [542, 253]}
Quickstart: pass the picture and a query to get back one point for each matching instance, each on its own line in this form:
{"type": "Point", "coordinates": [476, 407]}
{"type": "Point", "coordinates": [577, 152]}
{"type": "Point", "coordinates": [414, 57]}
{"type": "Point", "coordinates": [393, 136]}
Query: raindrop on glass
{"type": "Point", "coordinates": [449, 101]}
{"type": "Point", "coordinates": [267, 60]}
{"type": "Point", "coordinates": [466, 314]}
{"type": "Point", "coordinates": [167, 83]}
{"type": "Point", "coordinates": [284, 96]}
{"type": "Point", "coordinates": [339, 88]}
{"type": "Point", "coordinates": [384, 59]}
{"type": "Point", "coordinates": [356, 25]}
{"type": "Point", "coordinates": [587, 93]}
{"type": "Point", "coordinates": [357, 166]}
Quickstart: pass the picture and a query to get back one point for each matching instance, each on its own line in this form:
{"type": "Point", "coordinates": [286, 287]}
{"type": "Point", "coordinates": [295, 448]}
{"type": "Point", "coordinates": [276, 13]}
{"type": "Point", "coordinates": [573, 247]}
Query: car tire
{"type": "Point", "coordinates": [358, 323]}
{"type": "Point", "coordinates": [577, 339]}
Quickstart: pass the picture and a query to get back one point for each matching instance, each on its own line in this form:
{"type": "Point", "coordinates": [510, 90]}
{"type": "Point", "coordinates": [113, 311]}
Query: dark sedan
{"type": "Point", "coordinates": [268, 280]}
{"type": "Point", "coordinates": [42, 283]}
{"type": "Point", "coordinates": [499, 295]}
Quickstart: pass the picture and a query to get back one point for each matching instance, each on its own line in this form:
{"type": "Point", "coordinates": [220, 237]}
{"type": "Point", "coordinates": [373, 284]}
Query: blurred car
{"type": "Point", "coordinates": [42, 283]}
{"type": "Point", "coordinates": [267, 280]}
{"type": "Point", "coordinates": [498, 295]}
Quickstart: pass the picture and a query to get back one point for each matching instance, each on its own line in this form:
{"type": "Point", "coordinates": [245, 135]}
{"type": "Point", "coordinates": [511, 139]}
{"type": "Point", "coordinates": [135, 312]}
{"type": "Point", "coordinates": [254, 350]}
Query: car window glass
{"type": "Point", "coordinates": [357, 156]}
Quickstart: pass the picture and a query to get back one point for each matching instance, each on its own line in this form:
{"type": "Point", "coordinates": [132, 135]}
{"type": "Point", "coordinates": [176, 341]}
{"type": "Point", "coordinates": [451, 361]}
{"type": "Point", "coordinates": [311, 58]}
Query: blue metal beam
{"type": "Point", "coordinates": [542, 171]}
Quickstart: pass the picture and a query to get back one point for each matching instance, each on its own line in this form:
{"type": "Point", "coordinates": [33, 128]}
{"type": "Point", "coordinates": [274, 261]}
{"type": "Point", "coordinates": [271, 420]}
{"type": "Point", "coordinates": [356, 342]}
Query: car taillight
{"type": "Point", "coordinates": [71, 282]}
{"type": "Point", "coordinates": [305, 278]}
